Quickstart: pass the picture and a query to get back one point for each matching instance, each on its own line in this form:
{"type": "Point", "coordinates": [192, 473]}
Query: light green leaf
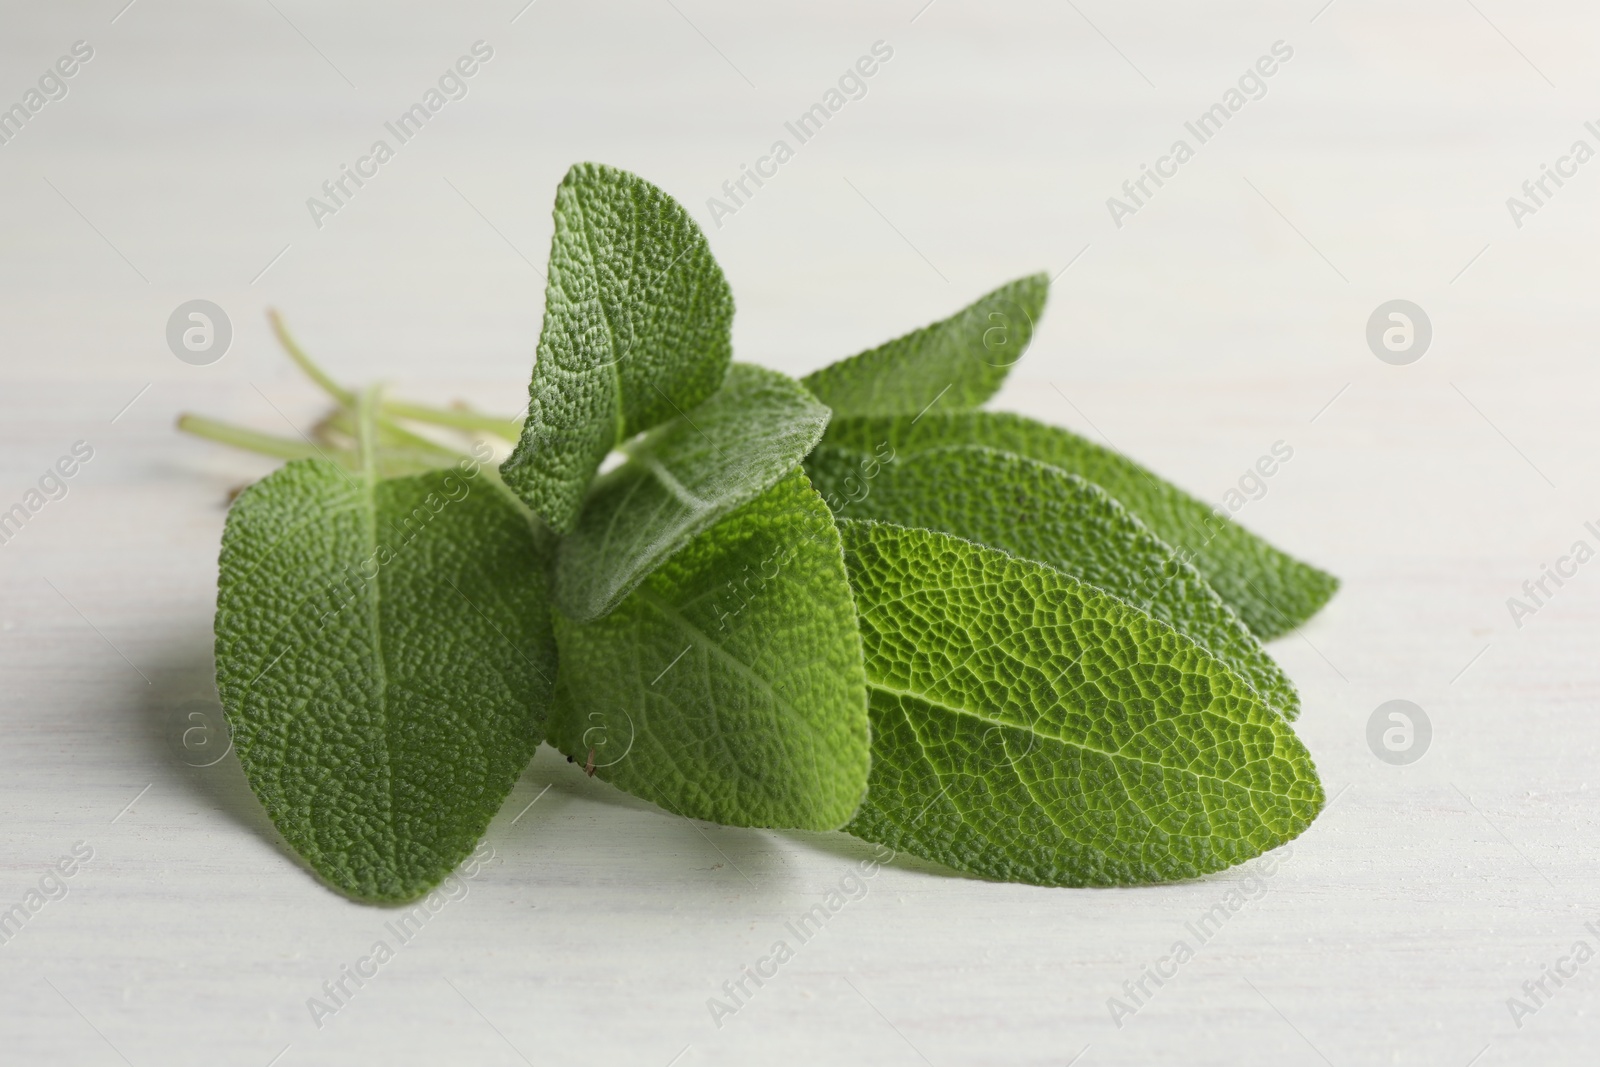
{"type": "Point", "coordinates": [637, 329]}
{"type": "Point", "coordinates": [1045, 514]}
{"type": "Point", "coordinates": [681, 478]}
{"type": "Point", "coordinates": [1028, 727]}
{"type": "Point", "coordinates": [1270, 590]}
{"type": "Point", "coordinates": [385, 658]}
{"type": "Point", "coordinates": [729, 686]}
{"type": "Point", "coordinates": [959, 362]}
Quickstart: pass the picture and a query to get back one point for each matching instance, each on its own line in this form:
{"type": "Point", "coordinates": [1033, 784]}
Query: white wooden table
{"type": "Point", "coordinates": [1227, 313]}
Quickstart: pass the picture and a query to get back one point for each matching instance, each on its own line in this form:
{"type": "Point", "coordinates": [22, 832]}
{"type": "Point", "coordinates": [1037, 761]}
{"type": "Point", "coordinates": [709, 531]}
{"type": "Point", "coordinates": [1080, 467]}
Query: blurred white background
{"type": "Point", "coordinates": [1222, 317]}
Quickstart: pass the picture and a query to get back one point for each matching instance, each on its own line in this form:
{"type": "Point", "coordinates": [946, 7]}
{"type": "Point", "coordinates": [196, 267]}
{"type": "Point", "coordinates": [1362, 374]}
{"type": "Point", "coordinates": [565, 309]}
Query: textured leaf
{"type": "Point", "coordinates": [1042, 513]}
{"type": "Point", "coordinates": [680, 479]}
{"type": "Point", "coordinates": [960, 361]}
{"type": "Point", "coordinates": [637, 329]}
{"type": "Point", "coordinates": [729, 685]}
{"type": "Point", "coordinates": [1028, 727]}
{"type": "Point", "coordinates": [1270, 590]}
{"type": "Point", "coordinates": [385, 657]}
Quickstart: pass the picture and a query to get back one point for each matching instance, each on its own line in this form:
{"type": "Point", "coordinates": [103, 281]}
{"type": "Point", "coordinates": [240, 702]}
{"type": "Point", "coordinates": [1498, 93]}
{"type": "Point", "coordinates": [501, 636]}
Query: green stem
{"type": "Point", "coordinates": [367, 430]}
{"type": "Point", "coordinates": [507, 429]}
{"type": "Point", "coordinates": [391, 436]}
{"type": "Point", "coordinates": [264, 444]}
{"type": "Point", "coordinates": [395, 434]}
{"type": "Point", "coordinates": [384, 448]}
{"type": "Point", "coordinates": [340, 394]}
{"type": "Point", "coordinates": [395, 458]}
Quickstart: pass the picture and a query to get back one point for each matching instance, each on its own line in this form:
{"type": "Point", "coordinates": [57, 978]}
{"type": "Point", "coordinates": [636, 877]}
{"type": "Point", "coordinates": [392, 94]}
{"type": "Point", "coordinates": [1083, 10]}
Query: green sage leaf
{"type": "Point", "coordinates": [1270, 590]}
{"type": "Point", "coordinates": [681, 478]}
{"type": "Point", "coordinates": [729, 685]}
{"type": "Point", "coordinates": [385, 658]}
{"type": "Point", "coordinates": [959, 362]}
{"type": "Point", "coordinates": [1045, 514]}
{"type": "Point", "coordinates": [1028, 727]}
{"type": "Point", "coordinates": [637, 329]}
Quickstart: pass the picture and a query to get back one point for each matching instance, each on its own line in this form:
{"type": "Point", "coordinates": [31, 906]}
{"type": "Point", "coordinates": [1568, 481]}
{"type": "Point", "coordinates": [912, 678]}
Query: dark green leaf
{"type": "Point", "coordinates": [1042, 513]}
{"type": "Point", "coordinates": [960, 361]}
{"type": "Point", "coordinates": [1028, 727]}
{"type": "Point", "coordinates": [637, 329]}
{"type": "Point", "coordinates": [385, 658]}
{"type": "Point", "coordinates": [729, 686]}
{"type": "Point", "coordinates": [1270, 590]}
{"type": "Point", "coordinates": [682, 478]}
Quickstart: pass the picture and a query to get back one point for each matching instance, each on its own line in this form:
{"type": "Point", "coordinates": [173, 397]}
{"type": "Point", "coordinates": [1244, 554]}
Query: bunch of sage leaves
{"type": "Point", "coordinates": [854, 601]}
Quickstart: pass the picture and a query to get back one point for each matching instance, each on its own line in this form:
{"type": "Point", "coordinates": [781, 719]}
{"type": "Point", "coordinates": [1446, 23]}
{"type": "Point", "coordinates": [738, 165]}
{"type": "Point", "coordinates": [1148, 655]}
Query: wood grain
{"type": "Point", "coordinates": [1227, 314]}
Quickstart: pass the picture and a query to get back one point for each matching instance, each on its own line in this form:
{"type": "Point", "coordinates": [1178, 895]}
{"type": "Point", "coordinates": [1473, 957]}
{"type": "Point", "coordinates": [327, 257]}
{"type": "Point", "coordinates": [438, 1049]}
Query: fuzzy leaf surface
{"type": "Point", "coordinates": [385, 657]}
{"type": "Point", "coordinates": [729, 685]}
{"type": "Point", "coordinates": [637, 329]}
{"type": "Point", "coordinates": [1270, 590]}
{"type": "Point", "coordinates": [960, 361]}
{"type": "Point", "coordinates": [680, 479]}
{"type": "Point", "coordinates": [1028, 727]}
{"type": "Point", "coordinates": [1039, 512]}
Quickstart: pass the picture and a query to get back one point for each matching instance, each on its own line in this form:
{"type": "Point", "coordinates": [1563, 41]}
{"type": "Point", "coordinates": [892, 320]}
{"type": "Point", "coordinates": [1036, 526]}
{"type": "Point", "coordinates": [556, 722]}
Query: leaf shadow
{"type": "Point", "coordinates": [186, 741]}
{"type": "Point", "coordinates": [846, 847]}
{"type": "Point", "coordinates": [611, 826]}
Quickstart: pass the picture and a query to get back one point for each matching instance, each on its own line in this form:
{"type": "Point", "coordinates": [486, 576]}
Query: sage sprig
{"type": "Point", "coordinates": [853, 601]}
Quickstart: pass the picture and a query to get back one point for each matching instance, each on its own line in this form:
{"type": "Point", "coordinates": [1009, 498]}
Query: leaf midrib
{"type": "Point", "coordinates": [1227, 636]}
{"type": "Point", "coordinates": [672, 615]}
{"type": "Point", "coordinates": [969, 713]}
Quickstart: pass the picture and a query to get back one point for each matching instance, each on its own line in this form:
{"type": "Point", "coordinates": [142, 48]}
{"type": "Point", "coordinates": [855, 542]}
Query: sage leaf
{"type": "Point", "coordinates": [1270, 590]}
{"type": "Point", "coordinates": [1045, 514]}
{"type": "Point", "coordinates": [959, 361]}
{"type": "Point", "coordinates": [385, 658]}
{"type": "Point", "coordinates": [681, 478]}
{"type": "Point", "coordinates": [1028, 727]}
{"type": "Point", "coordinates": [729, 685]}
{"type": "Point", "coordinates": [637, 329]}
